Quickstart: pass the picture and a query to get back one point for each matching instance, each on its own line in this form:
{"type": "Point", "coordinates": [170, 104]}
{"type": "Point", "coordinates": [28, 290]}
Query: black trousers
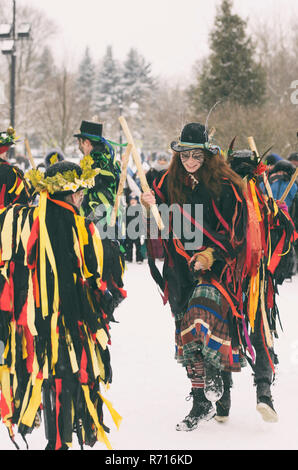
{"type": "Point", "coordinates": [129, 244]}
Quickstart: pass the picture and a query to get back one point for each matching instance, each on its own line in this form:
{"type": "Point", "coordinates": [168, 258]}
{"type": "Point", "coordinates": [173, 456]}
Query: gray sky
{"type": "Point", "coordinates": [171, 34]}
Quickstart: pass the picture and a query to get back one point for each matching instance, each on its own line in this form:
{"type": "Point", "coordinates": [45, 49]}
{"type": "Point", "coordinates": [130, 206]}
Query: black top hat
{"type": "Point", "coordinates": [194, 135]}
{"type": "Point", "coordinates": [90, 130]}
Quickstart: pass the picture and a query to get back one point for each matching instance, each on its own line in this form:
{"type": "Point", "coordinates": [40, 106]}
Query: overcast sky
{"type": "Point", "coordinates": [171, 34]}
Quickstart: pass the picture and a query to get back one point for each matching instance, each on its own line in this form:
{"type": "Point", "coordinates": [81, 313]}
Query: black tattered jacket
{"type": "Point", "coordinates": [222, 227]}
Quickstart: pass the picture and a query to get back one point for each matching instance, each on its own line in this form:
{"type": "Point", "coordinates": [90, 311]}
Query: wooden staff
{"type": "Point", "coordinates": [287, 190]}
{"type": "Point", "coordinates": [30, 154]}
{"type": "Point", "coordinates": [253, 148]}
{"type": "Point", "coordinates": [140, 170]}
{"type": "Point", "coordinates": [125, 161]}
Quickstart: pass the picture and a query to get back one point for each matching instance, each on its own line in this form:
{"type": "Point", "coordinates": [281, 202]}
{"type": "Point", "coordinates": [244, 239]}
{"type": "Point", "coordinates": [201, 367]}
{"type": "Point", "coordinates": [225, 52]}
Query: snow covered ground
{"type": "Point", "coordinates": [149, 388]}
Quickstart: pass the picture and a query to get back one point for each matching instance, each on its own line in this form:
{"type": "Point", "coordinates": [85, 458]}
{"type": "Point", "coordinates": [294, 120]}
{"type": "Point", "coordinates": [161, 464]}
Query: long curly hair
{"type": "Point", "coordinates": [212, 172]}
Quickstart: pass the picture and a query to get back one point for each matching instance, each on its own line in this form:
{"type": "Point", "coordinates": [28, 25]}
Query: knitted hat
{"type": "Point", "coordinates": [273, 158]}
{"type": "Point", "coordinates": [284, 166]}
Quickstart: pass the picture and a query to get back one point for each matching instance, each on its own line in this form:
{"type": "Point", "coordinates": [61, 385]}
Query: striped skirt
{"type": "Point", "coordinates": [204, 327]}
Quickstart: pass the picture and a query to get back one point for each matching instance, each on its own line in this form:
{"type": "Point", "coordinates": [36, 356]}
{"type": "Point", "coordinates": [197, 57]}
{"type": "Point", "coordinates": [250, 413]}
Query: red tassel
{"type": "Point", "coordinates": [83, 368]}
{"type": "Point", "coordinates": [58, 387]}
{"type": "Point", "coordinates": [30, 349]}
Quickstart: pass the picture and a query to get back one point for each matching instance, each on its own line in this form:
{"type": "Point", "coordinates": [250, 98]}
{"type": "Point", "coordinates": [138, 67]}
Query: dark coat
{"type": "Point", "coordinates": [223, 228]}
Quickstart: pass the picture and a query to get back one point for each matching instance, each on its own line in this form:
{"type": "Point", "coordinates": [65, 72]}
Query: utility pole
{"type": "Point", "coordinates": [13, 69]}
{"type": "Point", "coordinates": [10, 36]}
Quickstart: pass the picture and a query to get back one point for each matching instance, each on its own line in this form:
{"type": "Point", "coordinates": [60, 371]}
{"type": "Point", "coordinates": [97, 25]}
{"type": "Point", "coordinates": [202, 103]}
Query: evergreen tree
{"type": "Point", "coordinates": [137, 77]}
{"type": "Point", "coordinates": [230, 71]}
{"type": "Point", "coordinates": [45, 69]}
{"type": "Point", "coordinates": [85, 82]}
{"type": "Point", "coordinates": [108, 90]}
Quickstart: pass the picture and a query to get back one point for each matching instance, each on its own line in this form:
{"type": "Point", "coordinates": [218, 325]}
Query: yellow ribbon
{"type": "Point", "coordinates": [42, 253]}
{"type": "Point", "coordinates": [255, 200]}
{"type": "Point", "coordinates": [115, 415]}
{"type": "Point", "coordinates": [98, 248]}
{"type": "Point", "coordinates": [6, 236]}
{"type": "Point", "coordinates": [46, 249]}
{"type": "Point", "coordinates": [253, 298]}
{"type": "Point", "coordinates": [101, 436]}
{"type": "Point", "coordinates": [5, 390]}
{"type": "Point", "coordinates": [83, 240]}
{"type": "Point", "coordinates": [33, 404]}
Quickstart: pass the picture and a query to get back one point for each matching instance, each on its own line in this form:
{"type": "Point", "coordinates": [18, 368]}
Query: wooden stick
{"type": "Point", "coordinates": [254, 149]}
{"type": "Point", "coordinates": [140, 170]}
{"type": "Point", "coordinates": [30, 154]}
{"type": "Point", "coordinates": [125, 160]}
{"type": "Point", "coordinates": [287, 190]}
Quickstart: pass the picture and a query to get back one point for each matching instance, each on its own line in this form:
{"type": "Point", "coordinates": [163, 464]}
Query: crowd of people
{"type": "Point", "coordinates": [61, 278]}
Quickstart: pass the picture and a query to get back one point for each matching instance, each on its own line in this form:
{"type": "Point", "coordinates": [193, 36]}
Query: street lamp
{"type": "Point", "coordinates": [10, 36]}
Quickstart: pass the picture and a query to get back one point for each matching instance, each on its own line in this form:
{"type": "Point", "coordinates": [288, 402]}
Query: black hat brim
{"type": "Point", "coordinates": [89, 137]}
{"type": "Point", "coordinates": [183, 148]}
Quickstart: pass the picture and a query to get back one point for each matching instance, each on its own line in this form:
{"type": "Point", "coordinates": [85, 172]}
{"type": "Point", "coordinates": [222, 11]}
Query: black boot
{"type": "Point", "coordinates": [51, 445]}
{"type": "Point", "coordinates": [264, 401]}
{"type": "Point", "coordinates": [224, 404]}
{"type": "Point", "coordinates": [202, 410]}
{"type": "Point", "coordinates": [213, 387]}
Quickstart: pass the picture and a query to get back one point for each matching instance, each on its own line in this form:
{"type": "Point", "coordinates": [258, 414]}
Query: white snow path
{"type": "Point", "coordinates": [149, 387]}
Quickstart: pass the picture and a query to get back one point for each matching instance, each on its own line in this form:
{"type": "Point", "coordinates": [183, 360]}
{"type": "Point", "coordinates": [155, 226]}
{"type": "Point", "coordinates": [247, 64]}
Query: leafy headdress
{"type": "Point", "coordinates": [64, 177]}
{"type": "Point", "coordinates": [7, 139]}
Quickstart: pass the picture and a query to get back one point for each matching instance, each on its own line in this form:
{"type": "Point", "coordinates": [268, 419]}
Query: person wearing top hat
{"type": "Point", "coordinates": [91, 142]}
{"type": "Point", "coordinates": [57, 355]}
{"type": "Point", "coordinates": [202, 281]}
{"type": "Point", "coordinates": [99, 200]}
{"type": "Point", "coordinates": [13, 186]}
